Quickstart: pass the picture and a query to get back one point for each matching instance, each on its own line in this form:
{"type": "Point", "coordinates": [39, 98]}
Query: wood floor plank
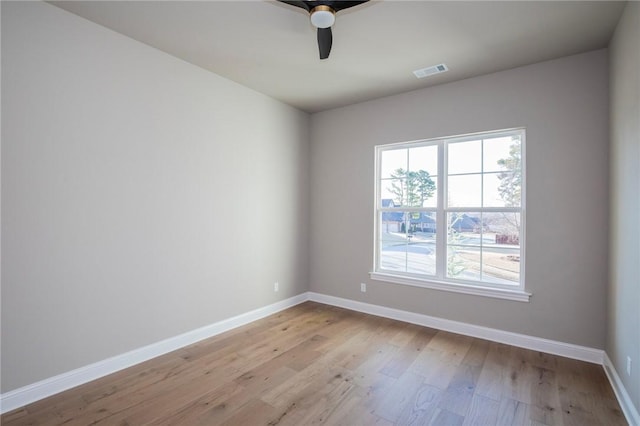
{"type": "Point", "coordinates": [295, 359]}
{"type": "Point", "coordinates": [455, 346]}
{"type": "Point", "coordinates": [402, 394]}
{"type": "Point", "coordinates": [458, 395]}
{"type": "Point", "coordinates": [232, 340]}
{"type": "Point", "coordinates": [446, 418]}
{"type": "Point", "coordinates": [422, 408]}
{"type": "Point", "coordinates": [408, 353]}
{"type": "Point", "coordinates": [494, 372]}
{"type": "Point", "coordinates": [435, 367]}
{"type": "Point", "coordinates": [520, 377]}
{"type": "Point", "coordinates": [353, 413]}
{"type": "Point", "coordinates": [126, 404]}
{"type": "Point", "coordinates": [254, 412]}
{"type": "Point", "coordinates": [15, 415]}
{"type": "Point", "coordinates": [477, 353]}
{"type": "Point", "coordinates": [287, 392]}
{"type": "Point", "coordinates": [340, 330]}
{"type": "Point", "coordinates": [483, 411]}
{"type": "Point", "coordinates": [373, 394]}
{"type": "Point", "coordinates": [77, 399]}
{"type": "Point", "coordinates": [161, 406]}
{"type": "Point", "coordinates": [406, 334]}
{"type": "Point", "coordinates": [318, 364]}
{"type": "Point", "coordinates": [439, 361]}
{"type": "Point", "coordinates": [585, 396]}
{"type": "Point", "coordinates": [545, 400]}
{"type": "Point", "coordinates": [348, 353]}
{"type": "Point", "coordinates": [512, 412]}
{"type": "Point", "coordinates": [212, 407]}
{"type": "Point", "coordinates": [323, 403]}
{"type": "Point", "coordinates": [366, 373]}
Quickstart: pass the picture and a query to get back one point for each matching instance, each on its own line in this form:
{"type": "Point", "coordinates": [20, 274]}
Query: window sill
{"type": "Point", "coordinates": [517, 295]}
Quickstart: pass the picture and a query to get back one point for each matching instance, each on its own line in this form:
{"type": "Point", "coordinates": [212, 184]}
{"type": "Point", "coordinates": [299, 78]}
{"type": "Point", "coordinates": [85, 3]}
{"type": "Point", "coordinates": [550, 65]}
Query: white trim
{"type": "Point", "coordinates": [629, 410]}
{"type": "Point", "coordinates": [498, 293]}
{"type": "Point", "coordinates": [568, 350]}
{"type": "Point", "coordinates": [20, 397]}
{"type": "Point", "coordinates": [44, 388]}
{"type": "Point", "coordinates": [442, 210]}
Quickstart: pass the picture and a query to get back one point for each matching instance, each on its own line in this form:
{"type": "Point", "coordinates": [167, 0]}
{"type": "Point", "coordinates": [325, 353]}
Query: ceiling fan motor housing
{"type": "Point", "coordinates": [322, 16]}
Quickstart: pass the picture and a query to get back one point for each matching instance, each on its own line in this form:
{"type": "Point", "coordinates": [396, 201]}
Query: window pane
{"type": "Point", "coordinates": [391, 161]}
{"type": "Point", "coordinates": [506, 156]}
{"type": "Point", "coordinates": [463, 263]}
{"type": "Point", "coordinates": [421, 258]}
{"type": "Point", "coordinates": [393, 241]}
{"type": "Point", "coordinates": [432, 199]}
{"type": "Point", "coordinates": [393, 227]}
{"type": "Point", "coordinates": [424, 158]}
{"type": "Point", "coordinates": [393, 192]}
{"type": "Point", "coordinates": [407, 242]}
{"type": "Point", "coordinates": [501, 229]}
{"type": "Point", "coordinates": [464, 228]}
{"type": "Point", "coordinates": [422, 224]}
{"type": "Point", "coordinates": [421, 177]}
{"type": "Point", "coordinates": [500, 265]}
{"type": "Point", "coordinates": [414, 189]}
{"type": "Point", "coordinates": [490, 192]}
{"type": "Point", "coordinates": [421, 188]}
{"type": "Point", "coordinates": [499, 153]}
{"type": "Point", "coordinates": [465, 191]}
{"type": "Point", "coordinates": [393, 257]}
{"type": "Point", "coordinates": [501, 189]}
{"type": "Point", "coordinates": [421, 248]}
{"type": "Point", "coordinates": [465, 157]}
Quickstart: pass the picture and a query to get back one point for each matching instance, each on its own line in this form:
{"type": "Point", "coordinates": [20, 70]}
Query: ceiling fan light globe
{"type": "Point", "coordinates": [322, 18]}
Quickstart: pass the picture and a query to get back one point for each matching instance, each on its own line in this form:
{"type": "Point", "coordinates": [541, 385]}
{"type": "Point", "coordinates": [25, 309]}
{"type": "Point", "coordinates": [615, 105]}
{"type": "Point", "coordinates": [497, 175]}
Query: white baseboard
{"type": "Point", "coordinates": [568, 350]}
{"type": "Point", "coordinates": [629, 410]}
{"type": "Point", "coordinates": [44, 388]}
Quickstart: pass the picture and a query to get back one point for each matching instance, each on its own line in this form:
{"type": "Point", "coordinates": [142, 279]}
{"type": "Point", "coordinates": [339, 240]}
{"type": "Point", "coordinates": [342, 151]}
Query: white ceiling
{"type": "Point", "coordinates": [272, 48]}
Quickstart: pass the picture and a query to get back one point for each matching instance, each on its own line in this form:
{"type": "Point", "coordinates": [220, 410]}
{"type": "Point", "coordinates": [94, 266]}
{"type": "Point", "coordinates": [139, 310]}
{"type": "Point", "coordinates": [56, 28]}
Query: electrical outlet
{"type": "Point", "coordinates": [629, 366]}
{"type": "Point", "coordinates": [363, 287]}
{"type": "Point", "coordinates": [276, 286]}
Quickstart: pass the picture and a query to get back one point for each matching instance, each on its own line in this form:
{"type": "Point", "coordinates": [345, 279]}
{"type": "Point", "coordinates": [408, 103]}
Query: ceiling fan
{"type": "Point", "coordinates": [323, 15]}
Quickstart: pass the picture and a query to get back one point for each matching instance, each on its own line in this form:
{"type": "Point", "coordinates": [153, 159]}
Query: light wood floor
{"type": "Point", "coordinates": [316, 364]}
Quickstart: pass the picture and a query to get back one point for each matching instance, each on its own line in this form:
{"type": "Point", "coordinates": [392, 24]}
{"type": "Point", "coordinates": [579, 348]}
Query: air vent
{"type": "Point", "coordinates": [425, 72]}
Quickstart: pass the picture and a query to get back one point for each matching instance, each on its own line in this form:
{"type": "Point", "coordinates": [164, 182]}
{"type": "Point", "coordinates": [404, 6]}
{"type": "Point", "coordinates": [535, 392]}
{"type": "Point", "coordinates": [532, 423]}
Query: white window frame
{"type": "Point", "coordinates": [440, 281]}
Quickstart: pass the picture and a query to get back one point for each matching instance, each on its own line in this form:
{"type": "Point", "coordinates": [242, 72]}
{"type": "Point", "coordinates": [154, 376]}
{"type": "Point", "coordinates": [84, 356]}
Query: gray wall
{"type": "Point", "coordinates": [142, 197]}
{"type": "Point", "coordinates": [623, 337]}
{"type": "Point", "coordinates": [564, 106]}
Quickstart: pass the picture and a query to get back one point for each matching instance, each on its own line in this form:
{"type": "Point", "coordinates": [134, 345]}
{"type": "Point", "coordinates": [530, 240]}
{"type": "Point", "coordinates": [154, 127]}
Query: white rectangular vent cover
{"type": "Point", "coordinates": [425, 72]}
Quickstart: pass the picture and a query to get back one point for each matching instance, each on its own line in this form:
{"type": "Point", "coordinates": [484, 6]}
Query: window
{"type": "Point", "coordinates": [450, 214]}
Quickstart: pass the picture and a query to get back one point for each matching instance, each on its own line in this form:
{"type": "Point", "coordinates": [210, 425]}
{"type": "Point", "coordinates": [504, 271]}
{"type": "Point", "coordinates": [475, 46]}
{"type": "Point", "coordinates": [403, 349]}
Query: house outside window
{"type": "Point", "coordinates": [450, 214]}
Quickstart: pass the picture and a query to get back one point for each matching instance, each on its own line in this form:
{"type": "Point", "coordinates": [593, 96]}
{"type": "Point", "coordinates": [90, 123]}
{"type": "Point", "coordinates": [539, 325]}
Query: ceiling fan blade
{"type": "Point", "coordinates": [323, 7]}
{"type": "Point", "coordinates": [325, 39]}
{"type": "Point", "coordinates": [341, 5]}
{"type": "Point", "coordinates": [301, 4]}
